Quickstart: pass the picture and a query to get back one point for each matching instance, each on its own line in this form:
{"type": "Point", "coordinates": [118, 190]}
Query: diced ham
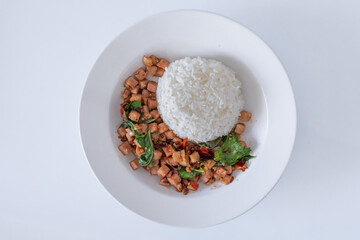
{"type": "Point", "coordinates": [227, 179]}
{"type": "Point", "coordinates": [135, 90]}
{"type": "Point", "coordinates": [159, 120]}
{"type": "Point", "coordinates": [204, 179]}
{"type": "Point", "coordinates": [140, 74]}
{"type": "Point", "coordinates": [228, 169]}
{"type": "Point", "coordinates": [125, 148]}
{"type": "Point", "coordinates": [150, 71]}
{"type": "Point", "coordinates": [154, 170]}
{"type": "Point", "coordinates": [209, 164]}
{"type": "Point", "coordinates": [168, 150]}
{"type": "Point", "coordinates": [145, 109]}
{"type": "Point", "coordinates": [163, 170]}
{"type": "Point", "coordinates": [240, 128]}
{"type": "Point", "coordinates": [172, 161]}
{"type": "Point", "coordinates": [157, 155]}
{"type": "Point", "coordinates": [159, 72]}
{"type": "Point", "coordinates": [134, 115]}
{"type": "Point", "coordinates": [152, 103]}
{"type": "Point", "coordinates": [194, 157]}
{"type": "Point", "coordinates": [130, 137]}
{"type": "Point", "coordinates": [154, 59]}
{"type": "Point", "coordinates": [175, 180]}
{"type": "Point", "coordinates": [155, 137]}
{"type": "Point", "coordinates": [163, 63]}
{"type": "Point", "coordinates": [130, 83]}
{"type": "Point", "coordinates": [217, 177]}
{"type": "Point", "coordinates": [128, 130]}
{"type": "Point", "coordinates": [126, 93]}
{"type": "Point", "coordinates": [208, 173]}
{"type": "Point", "coordinates": [145, 93]}
{"type": "Point", "coordinates": [163, 127]}
{"type": "Point", "coordinates": [143, 83]}
{"type": "Point", "coordinates": [184, 159]}
{"type": "Point", "coordinates": [139, 151]}
{"type": "Point", "coordinates": [147, 61]}
{"type": "Point", "coordinates": [135, 164]}
{"type": "Point", "coordinates": [135, 97]}
{"type": "Point", "coordinates": [141, 127]}
{"type": "Point", "coordinates": [155, 113]}
{"type": "Point", "coordinates": [164, 182]}
{"type": "Point", "coordinates": [169, 134]}
{"type": "Point", "coordinates": [152, 86]}
{"type": "Point", "coordinates": [245, 116]}
{"type": "Point", "coordinates": [177, 140]}
{"type": "Point", "coordinates": [176, 157]}
{"type": "Point", "coordinates": [153, 127]}
{"type": "Point", "coordinates": [121, 131]}
{"type": "Point", "coordinates": [162, 137]}
{"type": "Point", "coordinates": [221, 171]}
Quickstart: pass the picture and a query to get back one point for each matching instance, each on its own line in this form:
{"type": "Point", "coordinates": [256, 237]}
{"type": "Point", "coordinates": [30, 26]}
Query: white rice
{"type": "Point", "coordinates": [199, 98]}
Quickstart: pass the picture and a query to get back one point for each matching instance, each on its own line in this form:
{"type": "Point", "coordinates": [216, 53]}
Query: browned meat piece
{"type": "Point", "coordinates": [152, 103]}
{"type": "Point", "coordinates": [135, 164]}
{"type": "Point", "coordinates": [154, 59]}
{"type": "Point", "coordinates": [135, 90]}
{"type": "Point", "coordinates": [175, 180]}
{"type": "Point", "coordinates": [136, 143]}
{"type": "Point", "coordinates": [217, 177]}
{"type": "Point", "coordinates": [177, 157]}
{"type": "Point", "coordinates": [147, 61]}
{"type": "Point", "coordinates": [130, 137]}
{"type": "Point", "coordinates": [164, 182]}
{"type": "Point", "coordinates": [139, 151]}
{"type": "Point", "coordinates": [153, 127]}
{"type": "Point", "coordinates": [245, 116]}
{"type": "Point", "coordinates": [228, 169]}
{"type": "Point", "coordinates": [184, 159]}
{"type": "Point", "coordinates": [227, 179]}
{"type": "Point", "coordinates": [150, 71]}
{"type": "Point", "coordinates": [125, 148]}
{"type": "Point", "coordinates": [141, 127]}
{"type": "Point", "coordinates": [204, 179]}
{"type": "Point", "coordinates": [172, 161]}
{"type": "Point", "coordinates": [157, 155]}
{"type": "Point", "coordinates": [177, 140]}
{"type": "Point", "coordinates": [240, 128]}
{"type": "Point", "coordinates": [208, 173]}
{"type": "Point", "coordinates": [194, 157]}
{"type": "Point", "coordinates": [152, 86]}
{"type": "Point", "coordinates": [143, 83]}
{"type": "Point", "coordinates": [140, 74]}
{"type": "Point", "coordinates": [135, 97]}
{"type": "Point", "coordinates": [134, 115]}
{"type": "Point", "coordinates": [163, 128]}
{"type": "Point", "coordinates": [126, 93]}
{"type": "Point", "coordinates": [163, 63]}
{"type": "Point", "coordinates": [243, 144]}
{"type": "Point", "coordinates": [162, 137]}
{"type": "Point", "coordinates": [221, 171]}
{"type": "Point", "coordinates": [169, 134]}
{"type": "Point", "coordinates": [154, 170]}
{"type": "Point", "coordinates": [121, 131]}
{"type": "Point", "coordinates": [130, 83]}
{"type": "Point", "coordinates": [159, 72]}
{"type": "Point", "coordinates": [145, 109]}
{"type": "Point", "coordinates": [154, 113]}
{"type": "Point", "coordinates": [159, 120]}
{"type": "Point", "coordinates": [209, 164]}
{"type": "Point", "coordinates": [163, 170]}
{"type": "Point", "coordinates": [145, 93]}
{"type": "Point", "coordinates": [168, 150]}
{"type": "Point", "coordinates": [155, 137]}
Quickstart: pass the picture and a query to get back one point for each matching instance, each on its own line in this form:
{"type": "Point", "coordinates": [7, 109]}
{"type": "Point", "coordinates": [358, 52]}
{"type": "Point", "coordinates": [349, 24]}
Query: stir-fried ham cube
{"type": "Point", "coordinates": [125, 148]}
{"type": "Point", "coordinates": [240, 128]}
{"type": "Point", "coordinates": [143, 83]}
{"type": "Point", "coordinates": [135, 164]}
{"type": "Point", "coordinates": [194, 157]}
{"type": "Point", "coordinates": [221, 171]}
{"type": "Point", "coordinates": [163, 63]}
{"type": "Point", "coordinates": [150, 71]}
{"type": "Point", "coordinates": [135, 97]}
{"type": "Point", "coordinates": [131, 83]}
{"type": "Point", "coordinates": [134, 115]}
{"type": "Point", "coordinates": [168, 150]}
{"type": "Point", "coordinates": [140, 74]}
{"type": "Point", "coordinates": [126, 94]}
{"type": "Point", "coordinates": [152, 86]}
{"type": "Point", "coordinates": [175, 180]}
{"type": "Point", "coordinates": [163, 127]}
{"type": "Point", "coordinates": [152, 103]}
{"type": "Point", "coordinates": [245, 116]}
{"type": "Point", "coordinates": [163, 171]}
{"type": "Point", "coordinates": [155, 114]}
{"type": "Point", "coordinates": [227, 179]}
{"type": "Point", "coordinates": [121, 131]}
{"type": "Point", "coordinates": [169, 134]}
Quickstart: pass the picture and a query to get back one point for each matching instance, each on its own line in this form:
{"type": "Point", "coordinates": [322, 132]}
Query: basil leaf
{"type": "Point", "coordinates": [147, 144]}
{"type": "Point", "coordinates": [149, 120]}
{"type": "Point", "coordinates": [185, 174]}
{"type": "Point", "coordinates": [152, 164]}
{"type": "Point", "coordinates": [231, 151]}
{"type": "Point", "coordinates": [211, 144]}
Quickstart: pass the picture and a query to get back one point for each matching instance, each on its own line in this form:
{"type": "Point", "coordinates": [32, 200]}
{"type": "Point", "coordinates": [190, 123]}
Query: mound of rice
{"type": "Point", "coordinates": [199, 98]}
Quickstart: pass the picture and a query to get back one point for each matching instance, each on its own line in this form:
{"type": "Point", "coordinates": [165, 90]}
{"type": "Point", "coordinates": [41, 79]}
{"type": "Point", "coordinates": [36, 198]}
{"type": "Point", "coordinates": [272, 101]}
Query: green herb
{"type": "Point", "coordinates": [185, 174]}
{"type": "Point", "coordinates": [152, 164]}
{"type": "Point", "coordinates": [211, 144]}
{"type": "Point", "coordinates": [147, 144]}
{"type": "Point", "coordinates": [231, 151]}
{"type": "Point", "coordinates": [148, 120]}
{"type": "Point", "coordinates": [131, 106]}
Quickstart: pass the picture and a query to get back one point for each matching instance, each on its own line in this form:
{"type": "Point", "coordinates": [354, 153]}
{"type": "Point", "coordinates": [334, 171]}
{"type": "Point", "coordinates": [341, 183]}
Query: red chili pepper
{"type": "Point", "coordinates": [197, 177]}
{"type": "Point", "coordinates": [122, 109]}
{"type": "Point", "coordinates": [205, 153]}
{"type": "Point", "coordinates": [194, 184]}
{"type": "Point", "coordinates": [184, 142]}
{"type": "Point", "coordinates": [240, 164]}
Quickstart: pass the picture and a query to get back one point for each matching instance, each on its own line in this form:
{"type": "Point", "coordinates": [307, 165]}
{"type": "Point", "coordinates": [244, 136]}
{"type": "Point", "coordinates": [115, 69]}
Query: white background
{"type": "Point", "coordinates": [47, 189]}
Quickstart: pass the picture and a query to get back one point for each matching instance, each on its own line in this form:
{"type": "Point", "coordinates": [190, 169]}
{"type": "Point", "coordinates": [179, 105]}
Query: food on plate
{"type": "Point", "coordinates": [187, 125]}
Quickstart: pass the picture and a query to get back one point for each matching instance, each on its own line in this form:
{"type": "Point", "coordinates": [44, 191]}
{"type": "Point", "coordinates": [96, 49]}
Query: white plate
{"type": "Point", "coordinates": [268, 96]}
